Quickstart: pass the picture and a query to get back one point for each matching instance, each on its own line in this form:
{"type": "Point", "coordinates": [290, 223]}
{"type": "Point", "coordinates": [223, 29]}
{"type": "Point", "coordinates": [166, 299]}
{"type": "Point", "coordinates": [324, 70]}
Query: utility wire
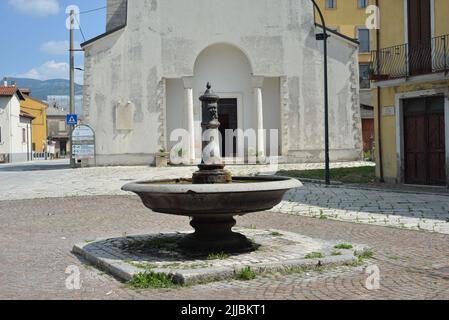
{"type": "Point", "coordinates": [93, 10]}
{"type": "Point", "coordinates": [85, 12]}
{"type": "Point", "coordinates": [81, 29]}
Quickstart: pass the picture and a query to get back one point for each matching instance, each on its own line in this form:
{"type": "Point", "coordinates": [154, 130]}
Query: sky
{"type": "Point", "coordinates": [34, 38]}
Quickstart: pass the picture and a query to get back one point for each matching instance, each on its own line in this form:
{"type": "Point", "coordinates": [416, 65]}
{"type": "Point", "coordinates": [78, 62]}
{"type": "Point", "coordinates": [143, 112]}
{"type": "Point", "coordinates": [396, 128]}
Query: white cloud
{"type": "Point", "coordinates": [52, 70]}
{"type": "Point", "coordinates": [41, 8]}
{"type": "Point", "coordinates": [58, 47]}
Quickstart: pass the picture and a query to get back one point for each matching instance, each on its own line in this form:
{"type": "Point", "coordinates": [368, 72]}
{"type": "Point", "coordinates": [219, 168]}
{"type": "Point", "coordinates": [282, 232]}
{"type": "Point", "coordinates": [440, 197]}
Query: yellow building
{"type": "Point", "coordinates": [349, 18]}
{"type": "Point", "coordinates": [38, 109]}
{"type": "Point", "coordinates": [411, 99]}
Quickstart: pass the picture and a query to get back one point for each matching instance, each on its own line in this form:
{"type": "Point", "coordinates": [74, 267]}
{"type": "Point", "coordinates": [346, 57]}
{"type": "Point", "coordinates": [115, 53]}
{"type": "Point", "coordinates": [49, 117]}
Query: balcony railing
{"type": "Point", "coordinates": [411, 60]}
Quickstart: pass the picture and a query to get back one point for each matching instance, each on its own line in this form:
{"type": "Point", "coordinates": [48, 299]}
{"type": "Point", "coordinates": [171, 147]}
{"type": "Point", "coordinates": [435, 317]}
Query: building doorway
{"type": "Point", "coordinates": [419, 37]}
{"type": "Point", "coordinates": [424, 137]}
{"type": "Point", "coordinates": [228, 118]}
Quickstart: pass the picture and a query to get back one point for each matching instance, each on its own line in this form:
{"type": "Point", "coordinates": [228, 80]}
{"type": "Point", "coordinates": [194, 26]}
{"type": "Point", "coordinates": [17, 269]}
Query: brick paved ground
{"type": "Point", "coordinates": [36, 237]}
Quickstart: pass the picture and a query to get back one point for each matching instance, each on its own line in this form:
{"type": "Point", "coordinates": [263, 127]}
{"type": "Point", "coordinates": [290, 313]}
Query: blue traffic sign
{"type": "Point", "coordinates": [72, 119]}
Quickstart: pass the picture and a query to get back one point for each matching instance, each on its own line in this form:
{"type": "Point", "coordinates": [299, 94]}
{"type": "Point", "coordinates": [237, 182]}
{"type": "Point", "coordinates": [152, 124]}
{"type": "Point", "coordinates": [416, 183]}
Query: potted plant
{"type": "Point", "coordinates": [377, 77]}
{"type": "Point", "coordinates": [162, 158]}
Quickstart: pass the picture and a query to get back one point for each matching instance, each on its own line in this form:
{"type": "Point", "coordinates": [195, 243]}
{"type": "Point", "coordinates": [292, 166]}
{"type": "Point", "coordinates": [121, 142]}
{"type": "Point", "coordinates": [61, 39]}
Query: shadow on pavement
{"type": "Point", "coordinates": [35, 167]}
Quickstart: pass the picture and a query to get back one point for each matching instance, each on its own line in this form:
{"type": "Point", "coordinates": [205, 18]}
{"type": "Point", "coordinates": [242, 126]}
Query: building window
{"type": "Point", "coordinates": [364, 76]}
{"type": "Point", "coordinates": [364, 39]}
{"type": "Point", "coordinates": [363, 3]}
{"type": "Point", "coordinates": [24, 135]}
{"type": "Point", "coordinates": [331, 4]}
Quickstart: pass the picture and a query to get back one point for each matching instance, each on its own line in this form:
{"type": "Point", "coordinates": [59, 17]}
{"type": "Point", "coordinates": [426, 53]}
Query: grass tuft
{"type": "Point", "coordinates": [245, 274]}
{"type": "Point", "coordinates": [360, 175]}
{"type": "Point", "coordinates": [343, 246]}
{"type": "Point", "coordinates": [148, 280]}
{"type": "Point", "coordinates": [366, 254]}
{"type": "Point", "coordinates": [314, 255]}
{"type": "Point", "coordinates": [323, 216]}
{"type": "Point", "coordinates": [217, 256]}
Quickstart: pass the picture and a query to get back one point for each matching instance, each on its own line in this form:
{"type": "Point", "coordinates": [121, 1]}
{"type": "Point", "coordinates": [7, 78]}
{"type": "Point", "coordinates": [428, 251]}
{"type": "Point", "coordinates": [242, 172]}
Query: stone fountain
{"type": "Point", "coordinates": [212, 198]}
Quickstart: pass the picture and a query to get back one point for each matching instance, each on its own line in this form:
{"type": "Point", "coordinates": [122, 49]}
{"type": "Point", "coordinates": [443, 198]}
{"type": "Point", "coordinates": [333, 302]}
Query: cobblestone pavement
{"type": "Point", "coordinates": [19, 183]}
{"type": "Point", "coordinates": [37, 236]}
{"type": "Point", "coordinates": [409, 210]}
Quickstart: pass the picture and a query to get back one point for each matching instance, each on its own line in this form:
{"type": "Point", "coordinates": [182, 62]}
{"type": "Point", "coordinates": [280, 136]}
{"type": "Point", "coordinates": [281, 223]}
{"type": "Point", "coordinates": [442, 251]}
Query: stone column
{"type": "Point", "coordinates": [188, 93]}
{"type": "Point", "coordinates": [258, 84]}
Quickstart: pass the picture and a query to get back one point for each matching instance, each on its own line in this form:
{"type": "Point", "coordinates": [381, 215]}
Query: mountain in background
{"type": "Point", "coordinates": [41, 89]}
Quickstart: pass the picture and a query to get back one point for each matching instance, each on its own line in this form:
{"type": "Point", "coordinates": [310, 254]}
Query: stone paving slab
{"type": "Point", "coordinates": [279, 251]}
{"type": "Point", "coordinates": [413, 211]}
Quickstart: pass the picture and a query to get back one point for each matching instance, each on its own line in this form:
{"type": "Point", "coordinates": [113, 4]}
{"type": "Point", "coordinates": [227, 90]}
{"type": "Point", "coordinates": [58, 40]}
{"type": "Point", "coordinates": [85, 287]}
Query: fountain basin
{"type": "Point", "coordinates": [244, 195]}
{"type": "Point", "coordinates": [212, 207]}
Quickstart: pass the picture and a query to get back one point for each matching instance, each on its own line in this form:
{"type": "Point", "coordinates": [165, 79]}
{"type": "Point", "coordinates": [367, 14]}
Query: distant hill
{"type": "Point", "coordinates": [41, 89]}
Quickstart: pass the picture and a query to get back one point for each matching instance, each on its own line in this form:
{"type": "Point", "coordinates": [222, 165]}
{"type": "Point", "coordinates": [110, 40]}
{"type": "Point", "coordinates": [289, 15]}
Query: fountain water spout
{"type": "Point", "coordinates": [211, 167]}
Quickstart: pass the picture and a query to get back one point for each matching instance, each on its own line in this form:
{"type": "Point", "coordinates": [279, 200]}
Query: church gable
{"type": "Point", "coordinates": [116, 14]}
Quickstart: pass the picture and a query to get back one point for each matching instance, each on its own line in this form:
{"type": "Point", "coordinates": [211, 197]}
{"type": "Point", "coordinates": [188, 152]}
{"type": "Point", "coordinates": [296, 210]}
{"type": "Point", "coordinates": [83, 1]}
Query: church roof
{"type": "Point", "coordinates": [101, 36]}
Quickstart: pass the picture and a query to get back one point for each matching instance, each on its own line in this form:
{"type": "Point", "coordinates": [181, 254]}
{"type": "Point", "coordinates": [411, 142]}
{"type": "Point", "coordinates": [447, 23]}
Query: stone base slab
{"type": "Point", "coordinates": [277, 251]}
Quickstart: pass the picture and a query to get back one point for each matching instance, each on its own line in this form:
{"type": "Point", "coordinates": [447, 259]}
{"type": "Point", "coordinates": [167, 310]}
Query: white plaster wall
{"type": "Point", "coordinates": [117, 73]}
{"type": "Point", "coordinates": [272, 112]}
{"type": "Point", "coordinates": [23, 149]}
{"type": "Point", "coordinates": [16, 131]}
{"type": "Point", "coordinates": [176, 109]}
{"type": "Point", "coordinates": [163, 39]}
{"type": "Point", "coordinates": [344, 108]}
{"type": "Point", "coordinates": [12, 129]}
{"type": "Point", "coordinates": [5, 106]}
{"type": "Point", "coordinates": [12, 125]}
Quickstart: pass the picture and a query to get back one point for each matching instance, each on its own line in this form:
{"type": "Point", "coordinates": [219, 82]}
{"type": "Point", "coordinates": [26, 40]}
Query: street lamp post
{"type": "Point", "coordinates": [323, 36]}
{"type": "Point", "coordinates": [72, 83]}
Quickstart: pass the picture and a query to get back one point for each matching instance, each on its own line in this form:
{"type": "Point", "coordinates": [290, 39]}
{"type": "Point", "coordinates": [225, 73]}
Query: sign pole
{"type": "Point", "coordinates": [72, 84]}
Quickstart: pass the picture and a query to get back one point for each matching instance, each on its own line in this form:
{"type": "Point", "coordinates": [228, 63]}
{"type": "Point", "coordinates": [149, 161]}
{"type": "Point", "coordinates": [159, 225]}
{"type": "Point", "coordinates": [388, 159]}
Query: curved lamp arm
{"type": "Point", "coordinates": [320, 13]}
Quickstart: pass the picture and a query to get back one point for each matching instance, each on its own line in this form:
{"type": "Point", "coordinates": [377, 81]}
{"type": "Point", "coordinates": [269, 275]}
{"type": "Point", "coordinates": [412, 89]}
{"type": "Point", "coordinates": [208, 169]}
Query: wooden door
{"type": "Point", "coordinates": [424, 133]}
{"type": "Point", "coordinates": [419, 37]}
{"type": "Point", "coordinates": [227, 116]}
{"type": "Point", "coordinates": [368, 134]}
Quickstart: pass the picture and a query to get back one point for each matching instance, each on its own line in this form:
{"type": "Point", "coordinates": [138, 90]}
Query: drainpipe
{"type": "Point", "coordinates": [379, 109]}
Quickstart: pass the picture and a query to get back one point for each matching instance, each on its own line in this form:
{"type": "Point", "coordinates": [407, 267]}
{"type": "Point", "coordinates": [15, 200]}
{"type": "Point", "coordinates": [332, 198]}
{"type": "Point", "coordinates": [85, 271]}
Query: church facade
{"type": "Point", "coordinates": [144, 76]}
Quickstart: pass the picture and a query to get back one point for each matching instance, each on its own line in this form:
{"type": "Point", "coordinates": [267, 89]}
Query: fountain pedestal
{"type": "Point", "coordinates": [214, 234]}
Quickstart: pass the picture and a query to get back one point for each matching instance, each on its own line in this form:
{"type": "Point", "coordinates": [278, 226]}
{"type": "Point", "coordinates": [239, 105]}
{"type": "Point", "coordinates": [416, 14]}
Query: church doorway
{"type": "Point", "coordinates": [228, 118]}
